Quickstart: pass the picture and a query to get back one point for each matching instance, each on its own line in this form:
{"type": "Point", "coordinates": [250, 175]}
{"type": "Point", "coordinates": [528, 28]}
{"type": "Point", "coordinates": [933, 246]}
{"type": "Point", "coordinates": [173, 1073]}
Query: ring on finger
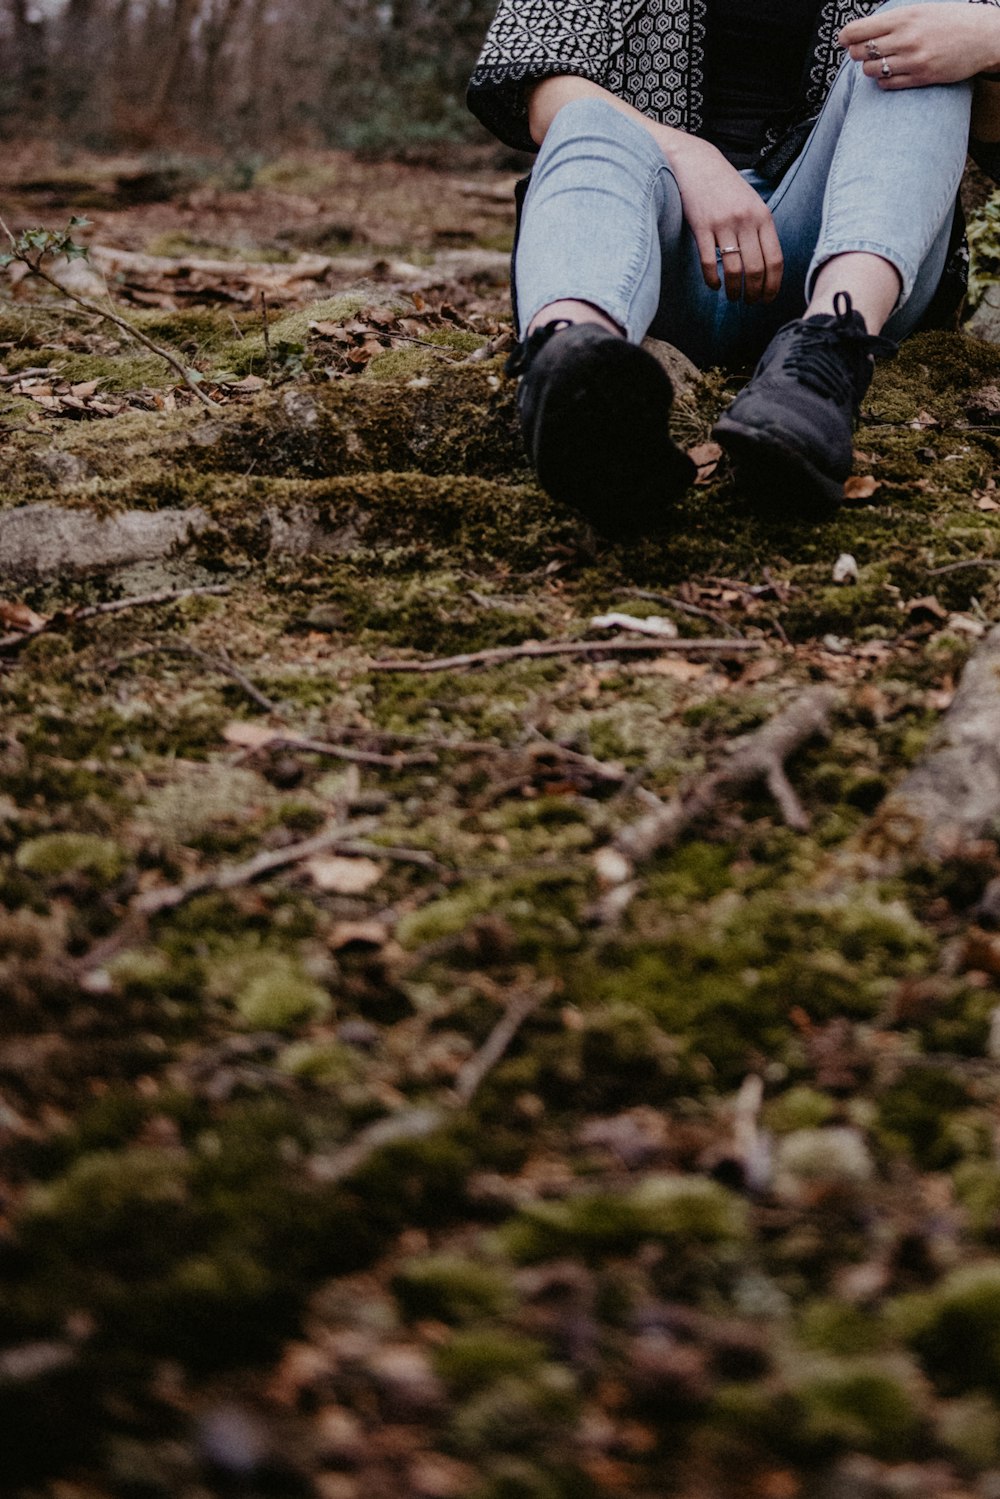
{"type": "Point", "coordinates": [729, 250]}
{"type": "Point", "coordinates": [885, 71]}
{"type": "Point", "coordinates": [871, 47]}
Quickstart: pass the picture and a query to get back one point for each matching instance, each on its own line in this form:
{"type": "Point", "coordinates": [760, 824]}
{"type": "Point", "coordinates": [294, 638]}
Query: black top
{"type": "Point", "coordinates": [755, 59]}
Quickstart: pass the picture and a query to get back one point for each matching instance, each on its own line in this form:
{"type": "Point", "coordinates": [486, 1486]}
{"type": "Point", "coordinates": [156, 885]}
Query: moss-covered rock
{"type": "Point", "coordinates": [955, 1328]}
{"type": "Point", "coordinates": [61, 855]}
{"type": "Point", "coordinates": [452, 1289]}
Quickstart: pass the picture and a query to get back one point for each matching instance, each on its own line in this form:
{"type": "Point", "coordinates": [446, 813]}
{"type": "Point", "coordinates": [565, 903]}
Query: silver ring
{"type": "Point", "coordinates": [885, 70]}
{"type": "Point", "coordinates": [871, 47]}
{"type": "Point", "coordinates": [729, 249]}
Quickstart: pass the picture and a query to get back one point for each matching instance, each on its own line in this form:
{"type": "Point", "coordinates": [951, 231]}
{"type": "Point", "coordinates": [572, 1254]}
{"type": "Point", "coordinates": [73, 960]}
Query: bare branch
{"type": "Point", "coordinates": [760, 756]}
{"type": "Point", "coordinates": [534, 650]}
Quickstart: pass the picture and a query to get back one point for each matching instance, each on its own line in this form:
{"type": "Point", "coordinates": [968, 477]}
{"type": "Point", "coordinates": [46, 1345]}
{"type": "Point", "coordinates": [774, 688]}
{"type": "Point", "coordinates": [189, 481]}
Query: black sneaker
{"type": "Point", "coordinates": [789, 432]}
{"type": "Point", "coordinates": [595, 413]}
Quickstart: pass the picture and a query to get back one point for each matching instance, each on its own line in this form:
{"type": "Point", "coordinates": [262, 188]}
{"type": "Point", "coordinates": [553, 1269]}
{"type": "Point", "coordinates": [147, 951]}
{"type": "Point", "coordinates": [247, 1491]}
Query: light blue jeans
{"type": "Point", "coordinates": [603, 222]}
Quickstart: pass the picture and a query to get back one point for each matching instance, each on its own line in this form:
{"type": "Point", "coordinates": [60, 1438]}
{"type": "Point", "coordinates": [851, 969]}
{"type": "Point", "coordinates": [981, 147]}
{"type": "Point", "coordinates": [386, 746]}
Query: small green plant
{"type": "Point", "coordinates": [983, 233]}
{"type": "Point", "coordinates": [37, 248]}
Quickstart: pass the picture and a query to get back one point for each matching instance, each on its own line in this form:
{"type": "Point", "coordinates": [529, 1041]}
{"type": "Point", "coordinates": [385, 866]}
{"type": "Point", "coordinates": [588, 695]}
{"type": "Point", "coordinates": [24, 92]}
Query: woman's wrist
{"type": "Point", "coordinates": [991, 27]}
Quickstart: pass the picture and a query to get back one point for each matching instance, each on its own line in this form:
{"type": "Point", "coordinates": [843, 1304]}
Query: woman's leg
{"type": "Point", "coordinates": [866, 208]}
{"type": "Point", "coordinates": [884, 168]}
{"type": "Point", "coordinates": [601, 207]}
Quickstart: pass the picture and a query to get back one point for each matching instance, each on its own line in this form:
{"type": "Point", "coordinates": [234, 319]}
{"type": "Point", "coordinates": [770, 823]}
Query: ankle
{"type": "Point", "coordinates": [570, 311]}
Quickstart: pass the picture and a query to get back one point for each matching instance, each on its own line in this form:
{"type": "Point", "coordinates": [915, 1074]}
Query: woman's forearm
{"type": "Point", "coordinates": [548, 96]}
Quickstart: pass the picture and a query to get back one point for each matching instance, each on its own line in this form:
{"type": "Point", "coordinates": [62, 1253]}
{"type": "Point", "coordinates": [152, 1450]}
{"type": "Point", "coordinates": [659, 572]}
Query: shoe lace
{"type": "Point", "coordinates": [522, 354]}
{"type": "Point", "coordinates": [829, 357]}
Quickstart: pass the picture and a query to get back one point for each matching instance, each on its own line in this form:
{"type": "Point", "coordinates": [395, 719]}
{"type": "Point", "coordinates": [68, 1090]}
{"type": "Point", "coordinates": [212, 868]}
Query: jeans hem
{"type": "Point", "coordinates": [823, 253]}
{"type": "Point", "coordinates": [618, 315]}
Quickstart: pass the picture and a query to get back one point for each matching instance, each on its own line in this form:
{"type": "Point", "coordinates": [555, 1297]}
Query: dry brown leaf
{"type": "Point", "coordinates": [338, 875]}
{"type": "Point", "coordinates": [364, 933]}
{"type": "Point", "coordinates": [675, 667]}
{"type": "Point", "coordinates": [20, 617]}
{"type": "Point", "coordinates": [984, 502]}
{"type": "Point", "coordinates": [705, 456]}
{"type": "Point", "coordinates": [927, 608]}
{"type": "Point", "coordinates": [860, 487]}
{"type": "Point", "coordinates": [85, 388]}
{"type": "Point", "coordinates": [247, 735]}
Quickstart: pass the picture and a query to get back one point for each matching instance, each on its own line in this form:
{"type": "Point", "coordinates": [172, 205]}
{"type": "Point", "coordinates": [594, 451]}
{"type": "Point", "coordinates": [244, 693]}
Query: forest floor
{"type": "Point", "coordinates": [455, 1082]}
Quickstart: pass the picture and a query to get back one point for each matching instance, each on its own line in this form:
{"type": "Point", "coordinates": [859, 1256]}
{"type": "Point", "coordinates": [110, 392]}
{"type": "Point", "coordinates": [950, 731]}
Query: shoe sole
{"type": "Point", "coordinates": [776, 473]}
{"type": "Point", "coordinates": [603, 445]}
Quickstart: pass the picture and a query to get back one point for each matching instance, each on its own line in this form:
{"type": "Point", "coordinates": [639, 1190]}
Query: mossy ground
{"type": "Point", "coordinates": [597, 1277]}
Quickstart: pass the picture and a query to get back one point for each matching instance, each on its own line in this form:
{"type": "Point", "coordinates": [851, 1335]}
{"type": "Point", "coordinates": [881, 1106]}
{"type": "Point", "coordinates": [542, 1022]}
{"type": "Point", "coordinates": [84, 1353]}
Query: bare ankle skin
{"type": "Point", "coordinates": [574, 312]}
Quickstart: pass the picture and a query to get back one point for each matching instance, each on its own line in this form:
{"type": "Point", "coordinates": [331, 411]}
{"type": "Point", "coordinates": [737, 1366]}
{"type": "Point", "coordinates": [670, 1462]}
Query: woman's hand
{"type": "Point", "coordinates": [719, 205]}
{"type": "Point", "coordinates": [926, 44]}
{"type": "Point", "coordinates": [723, 210]}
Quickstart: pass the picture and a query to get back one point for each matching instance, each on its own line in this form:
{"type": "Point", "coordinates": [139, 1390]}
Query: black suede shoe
{"type": "Point", "coordinates": [595, 413]}
{"type": "Point", "coordinates": [789, 432]}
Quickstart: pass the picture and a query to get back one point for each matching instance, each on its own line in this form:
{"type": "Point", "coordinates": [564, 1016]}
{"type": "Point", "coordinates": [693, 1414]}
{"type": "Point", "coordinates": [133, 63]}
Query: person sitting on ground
{"type": "Point", "coordinates": [775, 182]}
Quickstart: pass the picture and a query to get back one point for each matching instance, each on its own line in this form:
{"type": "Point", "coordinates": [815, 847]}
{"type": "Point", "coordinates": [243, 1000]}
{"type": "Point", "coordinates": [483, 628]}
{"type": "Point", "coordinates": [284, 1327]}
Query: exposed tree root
{"type": "Point", "coordinates": [952, 797]}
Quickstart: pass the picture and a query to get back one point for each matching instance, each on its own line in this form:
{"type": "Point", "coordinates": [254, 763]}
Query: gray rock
{"type": "Point", "coordinates": [684, 375]}
{"type": "Point", "coordinates": [65, 469]}
{"type": "Point", "coordinates": [37, 541]}
{"type": "Point", "coordinates": [985, 321]}
{"type": "Point", "coordinates": [301, 532]}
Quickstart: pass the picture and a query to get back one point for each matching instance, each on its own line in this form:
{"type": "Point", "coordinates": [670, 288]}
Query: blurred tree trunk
{"type": "Point", "coordinates": [30, 61]}
{"type": "Point", "coordinates": [178, 47]}
{"type": "Point", "coordinates": [218, 32]}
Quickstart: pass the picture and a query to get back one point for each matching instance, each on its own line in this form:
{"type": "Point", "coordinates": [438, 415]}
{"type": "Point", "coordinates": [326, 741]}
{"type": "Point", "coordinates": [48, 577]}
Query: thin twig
{"type": "Point", "coordinates": [232, 876]}
{"type": "Point", "coordinates": [398, 761]}
{"type": "Point", "coordinates": [536, 650]}
{"type": "Point", "coordinates": [955, 567]}
{"type": "Point", "coordinates": [471, 1077]}
{"type": "Point", "coordinates": [419, 1123]}
{"type": "Point", "coordinates": [267, 333]}
{"type": "Point", "coordinates": [683, 607]}
{"type": "Point", "coordinates": [358, 848]}
{"type": "Point", "coordinates": [113, 317]}
{"type": "Point", "coordinates": [116, 606]}
{"type": "Point", "coordinates": [217, 663]}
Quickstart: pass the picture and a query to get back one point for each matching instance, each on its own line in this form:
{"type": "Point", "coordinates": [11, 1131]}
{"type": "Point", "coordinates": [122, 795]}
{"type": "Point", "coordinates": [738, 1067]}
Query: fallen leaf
{"type": "Point", "coordinates": [250, 383]}
{"type": "Point", "coordinates": [364, 933]}
{"type": "Point", "coordinates": [20, 617]}
{"type": "Point", "coordinates": [343, 876]}
{"type": "Point", "coordinates": [675, 667]}
{"type": "Point", "coordinates": [705, 456]}
{"type": "Point", "coordinates": [845, 569]}
{"type": "Point", "coordinates": [927, 608]}
{"type": "Point", "coordinates": [985, 503]}
{"type": "Point", "coordinates": [249, 735]}
{"type": "Point", "coordinates": [660, 629]}
{"type": "Point", "coordinates": [860, 487]}
{"type": "Point", "coordinates": [84, 389]}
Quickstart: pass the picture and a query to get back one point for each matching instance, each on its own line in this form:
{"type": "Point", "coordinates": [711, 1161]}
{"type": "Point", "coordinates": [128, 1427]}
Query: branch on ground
{"type": "Point", "coordinates": [760, 756]}
{"type": "Point", "coordinates": [533, 650]}
{"type": "Point", "coordinates": [31, 250]}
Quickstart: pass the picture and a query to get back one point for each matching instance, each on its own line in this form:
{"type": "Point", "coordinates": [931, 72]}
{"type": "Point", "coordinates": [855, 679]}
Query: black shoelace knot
{"type": "Point", "coordinates": [831, 356]}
